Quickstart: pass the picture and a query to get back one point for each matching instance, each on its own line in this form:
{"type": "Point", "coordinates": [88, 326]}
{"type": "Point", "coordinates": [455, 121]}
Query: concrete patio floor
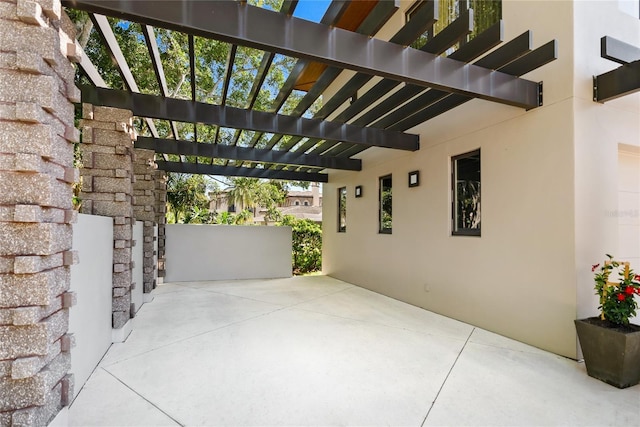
{"type": "Point", "coordinates": [318, 351]}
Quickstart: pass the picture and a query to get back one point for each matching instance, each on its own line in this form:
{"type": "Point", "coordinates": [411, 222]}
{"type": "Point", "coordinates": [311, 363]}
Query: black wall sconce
{"type": "Point", "coordinates": [414, 179]}
{"type": "Point", "coordinates": [358, 190]}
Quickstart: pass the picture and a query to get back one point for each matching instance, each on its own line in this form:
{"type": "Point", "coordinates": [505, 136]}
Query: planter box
{"type": "Point", "coordinates": [611, 354]}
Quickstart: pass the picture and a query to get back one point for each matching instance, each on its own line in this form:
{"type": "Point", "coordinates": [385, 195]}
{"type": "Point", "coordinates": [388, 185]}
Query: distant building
{"type": "Point", "coordinates": [301, 204]}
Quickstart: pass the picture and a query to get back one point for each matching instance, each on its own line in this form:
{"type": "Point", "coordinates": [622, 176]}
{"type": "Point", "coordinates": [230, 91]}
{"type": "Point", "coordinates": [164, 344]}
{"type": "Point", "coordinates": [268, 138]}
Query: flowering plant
{"type": "Point", "coordinates": [617, 302]}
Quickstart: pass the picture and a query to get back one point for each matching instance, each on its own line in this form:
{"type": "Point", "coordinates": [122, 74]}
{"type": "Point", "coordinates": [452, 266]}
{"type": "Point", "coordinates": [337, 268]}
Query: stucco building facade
{"type": "Point", "coordinates": [559, 189]}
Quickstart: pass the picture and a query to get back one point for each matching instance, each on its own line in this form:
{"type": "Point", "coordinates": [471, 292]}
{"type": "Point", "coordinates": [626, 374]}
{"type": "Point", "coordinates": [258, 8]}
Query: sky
{"type": "Point", "coordinates": [311, 10]}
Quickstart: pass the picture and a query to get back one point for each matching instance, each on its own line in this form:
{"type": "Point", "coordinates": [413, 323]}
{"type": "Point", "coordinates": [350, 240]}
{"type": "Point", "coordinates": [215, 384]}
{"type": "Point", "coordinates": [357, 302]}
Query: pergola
{"type": "Point", "coordinates": [432, 83]}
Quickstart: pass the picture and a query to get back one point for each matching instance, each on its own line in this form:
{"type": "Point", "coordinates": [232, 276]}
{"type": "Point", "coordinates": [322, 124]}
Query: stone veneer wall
{"type": "Point", "coordinates": [107, 190]}
{"type": "Point", "coordinates": [161, 220]}
{"type": "Point", "coordinates": [144, 209]}
{"type": "Point", "coordinates": [37, 92]}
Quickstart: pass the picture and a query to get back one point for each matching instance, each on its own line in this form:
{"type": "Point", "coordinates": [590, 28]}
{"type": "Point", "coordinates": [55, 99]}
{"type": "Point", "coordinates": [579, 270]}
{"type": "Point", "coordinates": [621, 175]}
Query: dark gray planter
{"type": "Point", "coordinates": [611, 354]}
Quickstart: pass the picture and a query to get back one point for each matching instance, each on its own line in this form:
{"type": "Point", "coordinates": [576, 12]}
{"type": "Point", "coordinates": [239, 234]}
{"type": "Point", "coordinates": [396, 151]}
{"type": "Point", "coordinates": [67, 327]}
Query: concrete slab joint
{"type": "Point", "coordinates": [36, 176]}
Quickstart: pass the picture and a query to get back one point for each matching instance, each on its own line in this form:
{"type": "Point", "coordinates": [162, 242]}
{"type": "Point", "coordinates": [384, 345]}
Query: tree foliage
{"type": "Point", "coordinates": [250, 193]}
{"type": "Point", "coordinates": [186, 199]}
{"type": "Point", "coordinates": [306, 244]}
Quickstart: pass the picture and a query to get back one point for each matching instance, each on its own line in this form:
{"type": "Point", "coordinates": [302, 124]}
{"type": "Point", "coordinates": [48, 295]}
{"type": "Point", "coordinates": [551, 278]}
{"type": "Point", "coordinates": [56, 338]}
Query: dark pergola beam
{"type": "Point", "coordinates": [234, 152]}
{"type": "Point", "coordinates": [507, 54]}
{"type": "Point", "coordinates": [239, 23]}
{"type": "Point", "coordinates": [515, 54]}
{"type": "Point", "coordinates": [154, 52]}
{"type": "Point", "coordinates": [524, 64]}
{"type": "Point", "coordinates": [265, 64]}
{"type": "Point", "coordinates": [424, 19]}
{"type": "Point", "coordinates": [618, 51]}
{"type": "Point", "coordinates": [622, 81]}
{"type": "Point", "coordinates": [446, 38]}
{"type": "Point", "coordinates": [474, 48]}
{"type": "Point", "coordinates": [202, 169]}
{"type": "Point", "coordinates": [152, 106]}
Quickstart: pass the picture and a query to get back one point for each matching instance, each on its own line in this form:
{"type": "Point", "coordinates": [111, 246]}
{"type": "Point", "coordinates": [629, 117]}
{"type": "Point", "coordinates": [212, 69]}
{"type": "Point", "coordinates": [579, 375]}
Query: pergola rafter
{"type": "Point", "coordinates": [202, 169]}
{"type": "Point", "coordinates": [230, 117]}
{"type": "Point", "coordinates": [262, 155]}
{"type": "Point", "coordinates": [433, 83]}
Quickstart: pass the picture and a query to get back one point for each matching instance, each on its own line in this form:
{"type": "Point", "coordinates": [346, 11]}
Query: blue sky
{"type": "Point", "coordinates": [311, 10]}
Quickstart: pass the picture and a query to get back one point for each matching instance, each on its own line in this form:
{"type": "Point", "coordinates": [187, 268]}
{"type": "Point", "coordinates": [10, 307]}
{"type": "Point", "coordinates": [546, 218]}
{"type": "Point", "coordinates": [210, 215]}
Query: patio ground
{"type": "Point", "coordinates": [318, 351]}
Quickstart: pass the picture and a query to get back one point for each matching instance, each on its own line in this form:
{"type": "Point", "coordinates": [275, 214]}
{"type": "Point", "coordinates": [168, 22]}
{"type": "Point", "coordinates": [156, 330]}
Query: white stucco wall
{"type": "Point", "coordinates": [90, 318]}
{"type": "Point", "coordinates": [628, 212]}
{"type": "Point", "coordinates": [220, 252]}
{"type": "Point", "coordinates": [137, 253]}
{"type": "Point", "coordinates": [601, 129]}
{"type": "Point", "coordinates": [545, 176]}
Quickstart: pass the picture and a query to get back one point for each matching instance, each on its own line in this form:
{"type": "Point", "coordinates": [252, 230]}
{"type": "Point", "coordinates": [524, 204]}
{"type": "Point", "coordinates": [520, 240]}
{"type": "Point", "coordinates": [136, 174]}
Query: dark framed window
{"type": "Point", "coordinates": [485, 14]}
{"type": "Point", "coordinates": [385, 211]}
{"type": "Point", "coordinates": [342, 209]}
{"type": "Point", "coordinates": [465, 187]}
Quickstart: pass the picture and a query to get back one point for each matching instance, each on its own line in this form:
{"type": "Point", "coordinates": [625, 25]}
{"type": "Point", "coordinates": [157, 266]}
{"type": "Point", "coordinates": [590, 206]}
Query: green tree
{"type": "Point", "coordinates": [186, 198]}
{"type": "Point", "coordinates": [250, 193]}
{"type": "Point", "coordinates": [243, 193]}
{"type": "Point", "coordinates": [306, 244]}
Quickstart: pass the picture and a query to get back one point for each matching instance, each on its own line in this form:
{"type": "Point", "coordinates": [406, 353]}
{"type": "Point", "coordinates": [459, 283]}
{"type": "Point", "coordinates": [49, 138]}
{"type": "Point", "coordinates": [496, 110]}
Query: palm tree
{"type": "Point", "coordinates": [243, 193]}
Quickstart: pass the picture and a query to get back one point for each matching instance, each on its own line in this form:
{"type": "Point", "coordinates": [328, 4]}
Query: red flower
{"type": "Point", "coordinates": [629, 290]}
{"type": "Point", "coordinates": [594, 266]}
{"type": "Point", "coordinates": [637, 277]}
{"type": "Point", "coordinates": [621, 297]}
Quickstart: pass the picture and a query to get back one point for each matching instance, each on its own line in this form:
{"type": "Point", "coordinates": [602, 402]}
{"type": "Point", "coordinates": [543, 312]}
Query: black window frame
{"type": "Point", "coordinates": [455, 231]}
{"type": "Point", "coordinates": [342, 204]}
{"type": "Point", "coordinates": [381, 228]}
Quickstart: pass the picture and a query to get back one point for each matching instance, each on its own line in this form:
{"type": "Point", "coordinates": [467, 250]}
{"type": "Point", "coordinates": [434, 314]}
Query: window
{"type": "Point", "coordinates": [306, 203]}
{"type": "Point", "coordinates": [385, 204]}
{"type": "Point", "coordinates": [342, 209]}
{"type": "Point", "coordinates": [465, 171]}
{"type": "Point", "coordinates": [297, 203]}
{"type": "Point", "coordinates": [485, 14]}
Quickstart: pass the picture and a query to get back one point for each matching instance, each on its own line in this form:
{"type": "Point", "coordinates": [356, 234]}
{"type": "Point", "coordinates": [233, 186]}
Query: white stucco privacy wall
{"type": "Point", "coordinates": [221, 252]}
{"type": "Point", "coordinates": [90, 318]}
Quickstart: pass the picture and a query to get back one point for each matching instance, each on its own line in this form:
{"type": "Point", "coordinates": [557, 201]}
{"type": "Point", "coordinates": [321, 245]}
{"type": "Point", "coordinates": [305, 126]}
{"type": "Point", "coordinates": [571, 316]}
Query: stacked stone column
{"type": "Point", "coordinates": [161, 211]}
{"type": "Point", "coordinates": [144, 209]}
{"type": "Point", "coordinates": [107, 189]}
{"type": "Point", "coordinates": [37, 92]}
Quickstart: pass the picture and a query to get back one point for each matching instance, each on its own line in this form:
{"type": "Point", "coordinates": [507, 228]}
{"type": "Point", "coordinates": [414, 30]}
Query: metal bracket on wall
{"type": "Point", "coordinates": [540, 94]}
{"type": "Point", "coordinates": [622, 81]}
